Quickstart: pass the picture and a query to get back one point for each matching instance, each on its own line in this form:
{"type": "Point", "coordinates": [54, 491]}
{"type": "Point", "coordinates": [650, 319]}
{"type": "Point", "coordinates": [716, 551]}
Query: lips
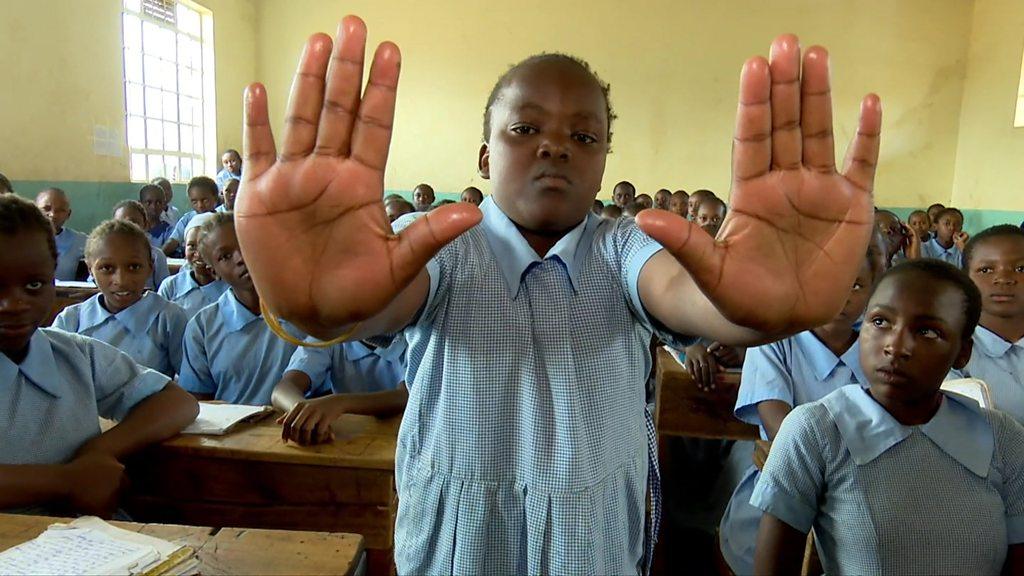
{"type": "Point", "coordinates": [891, 375]}
{"type": "Point", "coordinates": [1002, 297]}
{"type": "Point", "coordinates": [16, 330]}
{"type": "Point", "coordinates": [552, 178]}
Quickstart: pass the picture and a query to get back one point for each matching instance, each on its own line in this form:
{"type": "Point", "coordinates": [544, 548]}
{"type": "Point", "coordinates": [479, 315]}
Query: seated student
{"type": "Point", "coordinates": [70, 243]}
{"type": "Point", "coordinates": [203, 196]}
{"type": "Point", "coordinates": [5, 185]}
{"type": "Point", "coordinates": [994, 259]}
{"type": "Point", "coordinates": [398, 208]}
{"type": "Point", "coordinates": [710, 215]}
{"type": "Point", "coordinates": [900, 242]}
{"type": "Point", "coordinates": [623, 194]}
{"type": "Point", "coordinates": [693, 202]}
{"type": "Point", "coordinates": [597, 208]}
{"type": "Point", "coordinates": [228, 194]}
{"type": "Point", "coordinates": [633, 209]}
{"type": "Point", "coordinates": [171, 214]}
{"type": "Point", "coordinates": [54, 386]}
{"type": "Point", "coordinates": [473, 195]}
{"type": "Point", "coordinates": [231, 161]}
{"type": "Point", "coordinates": [423, 197]}
{"type": "Point", "coordinates": [680, 203]}
{"type": "Point", "coordinates": [949, 240]}
{"type": "Point", "coordinates": [393, 196]}
{"type": "Point", "coordinates": [780, 376]}
{"type": "Point", "coordinates": [230, 353]}
{"type": "Point", "coordinates": [611, 212]}
{"type": "Point", "coordinates": [195, 286]}
{"type": "Point", "coordinates": [644, 201]}
{"type": "Point", "coordinates": [921, 224]}
{"type": "Point", "coordinates": [358, 378]}
{"type": "Point", "coordinates": [152, 199]}
{"type": "Point", "coordinates": [661, 199]}
{"type": "Point", "coordinates": [132, 211]}
{"type": "Point", "coordinates": [933, 216]}
{"type": "Point", "coordinates": [138, 322]}
{"type": "Point", "coordinates": [900, 477]}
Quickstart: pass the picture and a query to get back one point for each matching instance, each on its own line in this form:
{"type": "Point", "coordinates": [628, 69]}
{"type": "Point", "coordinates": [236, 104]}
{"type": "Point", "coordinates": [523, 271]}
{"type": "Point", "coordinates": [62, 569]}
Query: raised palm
{"type": "Point", "coordinates": [310, 216]}
{"type": "Point", "coordinates": [797, 230]}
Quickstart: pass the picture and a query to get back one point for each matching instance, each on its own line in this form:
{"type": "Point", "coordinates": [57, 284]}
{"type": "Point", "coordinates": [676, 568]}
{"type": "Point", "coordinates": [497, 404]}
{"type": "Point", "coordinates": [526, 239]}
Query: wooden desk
{"type": "Point", "coordinates": [229, 550]}
{"type": "Point", "coordinates": [684, 410]}
{"type": "Point", "coordinates": [67, 296]}
{"type": "Point", "coordinates": [250, 478]}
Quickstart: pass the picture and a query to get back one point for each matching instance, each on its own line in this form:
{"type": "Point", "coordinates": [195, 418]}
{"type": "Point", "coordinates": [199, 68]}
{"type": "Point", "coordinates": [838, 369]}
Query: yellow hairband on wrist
{"type": "Point", "coordinates": [280, 332]}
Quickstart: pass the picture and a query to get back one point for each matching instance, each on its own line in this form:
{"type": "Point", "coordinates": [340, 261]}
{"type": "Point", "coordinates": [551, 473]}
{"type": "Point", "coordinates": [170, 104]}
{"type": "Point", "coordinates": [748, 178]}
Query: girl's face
{"type": "Point", "coordinates": [194, 258]}
{"type": "Point", "coordinates": [202, 200]}
{"type": "Point", "coordinates": [949, 226]}
{"type": "Point", "coordinates": [547, 149]}
{"type": "Point", "coordinates": [154, 203]}
{"type": "Point", "coordinates": [662, 199]}
{"type": "Point", "coordinates": [920, 224]}
{"type": "Point", "coordinates": [679, 204]}
{"type": "Point", "coordinates": [230, 193]}
{"type": "Point", "coordinates": [121, 265]}
{"type": "Point", "coordinates": [131, 215]}
{"type": "Point", "coordinates": [26, 290]}
{"type": "Point", "coordinates": [232, 162]}
{"type": "Point", "coordinates": [221, 251]}
{"type": "Point", "coordinates": [623, 196]}
{"type": "Point", "coordinates": [912, 335]}
{"type": "Point", "coordinates": [997, 268]}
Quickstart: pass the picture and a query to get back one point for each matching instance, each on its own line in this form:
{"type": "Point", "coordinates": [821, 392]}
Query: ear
{"type": "Point", "coordinates": [965, 353]}
{"type": "Point", "coordinates": [483, 163]}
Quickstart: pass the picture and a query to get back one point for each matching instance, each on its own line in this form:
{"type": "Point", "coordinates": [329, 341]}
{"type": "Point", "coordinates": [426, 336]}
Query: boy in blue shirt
{"type": "Point", "coordinates": [949, 240]}
{"type": "Point", "coordinates": [203, 196]}
{"type": "Point", "coordinates": [54, 204]}
{"type": "Point", "coordinates": [229, 352]}
{"type": "Point", "coordinates": [152, 199]}
{"type": "Point", "coordinates": [54, 386]}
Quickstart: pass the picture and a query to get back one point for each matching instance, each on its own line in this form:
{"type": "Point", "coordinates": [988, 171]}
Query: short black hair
{"type": "Point", "coordinates": [150, 188]}
{"type": "Point", "coordinates": [915, 212]}
{"type": "Point", "coordinates": [998, 231]}
{"type": "Point", "coordinates": [233, 151]}
{"type": "Point", "coordinates": [715, 200]}
{"type": "Point", "coordinates": [940, 271]}
{"type": "Point", "coordinates": [625, 183]}
{"type": "Point", "coordinates": [5, 184]}
{"type": "Point", "coordinates": [542, 58]}
{"type": "Point", "coordinates": [217, 221]}
{"type": "Point", "coordinates": [134, 205]}
{"type": "Point", "coordinates": [204, 183]}
{"type": "Point", "coordinates": [18, 215]}
{"type": "Point", "coordinates": [123, 228]}
{"type": "Point", "coordinates": [936, 205]}
{"type": "Point", "coordinates": [947, 211]}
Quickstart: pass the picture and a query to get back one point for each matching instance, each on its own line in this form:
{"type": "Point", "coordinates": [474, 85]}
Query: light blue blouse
{"type": "Point", "coordinates": [946, 497]}
{"type": "Point", "coordinates": [149, 331]}
{"type": "Point", "coordinates": [70, 251]}
{"type": "Point", "coordinates": [1001, 365]}
{"type": "Point", "coordinates": [183, 290]}
{"type": "Point", "coordinates": [351, 367]}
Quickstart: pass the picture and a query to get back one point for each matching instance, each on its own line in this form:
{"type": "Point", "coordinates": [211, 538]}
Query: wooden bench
{"type": "Point", "coordinates": [684, 410]}
{"type": "Point", "coordinates": [228, 550]}
{"type": "Point", "coordinates": [251, 478]}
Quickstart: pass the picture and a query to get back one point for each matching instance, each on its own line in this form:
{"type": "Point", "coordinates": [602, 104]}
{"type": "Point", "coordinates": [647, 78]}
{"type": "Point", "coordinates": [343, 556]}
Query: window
{"type": "Point", "coordinates": [168, 89]}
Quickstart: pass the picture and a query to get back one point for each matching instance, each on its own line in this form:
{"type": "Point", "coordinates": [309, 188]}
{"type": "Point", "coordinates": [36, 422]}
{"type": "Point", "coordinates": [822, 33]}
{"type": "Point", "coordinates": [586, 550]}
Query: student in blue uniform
{"type": "Point", "coordinates": [229, 352]}
{"type": "Point", "coordinates": [948, 243]}
{"type": "Point", "coordinates": [349, 378]}
{"type": "Point", "coordinates": [900, 477]}
{"type": "Point", "coordinates": [132, 211]}
{"type": "Point", "coordinates": [56, 207]}
{"type": "Point", "coordinates": [523, 449]}
{"type": "Point", "coordinates": [203, 196]}
{"type": "Point", "coordinates": [125, 314]}
{"type": "Point", "coordinates": [228, 194]}
{"type": "Point", "coordinates": [196, 285]}
{"type": "Point", "coordinates": [780, 376]}
{"type": "Point", "coordinates": [171, 214]}
{"type": "Point", "coordinates": [231, 161]}
{"type": "Point", "coordinates": [994, 259]}
{"type": "Point", "coordinates": [54, 386]}
{"type": "Point", "coordinates": [152, 199]}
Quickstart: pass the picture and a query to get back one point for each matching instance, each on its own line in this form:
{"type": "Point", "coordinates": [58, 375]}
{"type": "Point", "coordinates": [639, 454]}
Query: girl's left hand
{"type": "Point", "coordinates": [961, 239]}
{"type": "Point", "coordinates": [797, 230]}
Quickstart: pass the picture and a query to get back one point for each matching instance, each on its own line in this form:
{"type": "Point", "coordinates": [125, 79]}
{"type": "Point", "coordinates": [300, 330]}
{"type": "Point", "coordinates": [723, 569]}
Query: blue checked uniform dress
{"type": "Point", "coordinates": [526, 441]}
{"type": "Point", "coordinates": [1001, 365]}
{"type": "Point", "coordinates": [946, 497]}
{"type": "Point", "coordinates": [150, 331]}
{"type": "Point", "coordinates": [796, 371]}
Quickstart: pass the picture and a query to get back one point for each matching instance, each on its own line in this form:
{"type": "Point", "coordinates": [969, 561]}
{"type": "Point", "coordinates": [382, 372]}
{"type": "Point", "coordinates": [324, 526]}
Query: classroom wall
{"type": "Point", "coordinates": [674, 69]}
{"type": "Point", "coordinates": [62, 77]}
{"type": "Point", "coordinates": [989, 177]}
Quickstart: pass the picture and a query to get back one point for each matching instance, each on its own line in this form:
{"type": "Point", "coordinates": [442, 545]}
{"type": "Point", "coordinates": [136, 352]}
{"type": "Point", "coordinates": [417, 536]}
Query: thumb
{"type": "Point", "coordinates": [691, 246]}
{"type": "Point", "coordinates": [425, 236]}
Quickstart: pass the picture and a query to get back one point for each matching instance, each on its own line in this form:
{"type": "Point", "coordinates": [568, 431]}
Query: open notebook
{"type": "Point", "coordinates": [89, 545]}
{"type": "Point", "coordinates": [973, 388]}
{"type": "Point", "coordinates": [216, 418]}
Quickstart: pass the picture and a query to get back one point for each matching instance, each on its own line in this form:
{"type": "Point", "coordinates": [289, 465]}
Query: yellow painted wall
{"type": "Point", "coordinates": [990, 157]}
{"type": "Point", "coordinates": [673, 67]}
{"type": "Point", "coordinates": [62, 75]}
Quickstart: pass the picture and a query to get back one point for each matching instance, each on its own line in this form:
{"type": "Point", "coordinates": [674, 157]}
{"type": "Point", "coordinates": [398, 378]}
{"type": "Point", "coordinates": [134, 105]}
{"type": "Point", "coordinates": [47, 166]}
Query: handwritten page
{"type": "Point", "coordinates": [75, 551]}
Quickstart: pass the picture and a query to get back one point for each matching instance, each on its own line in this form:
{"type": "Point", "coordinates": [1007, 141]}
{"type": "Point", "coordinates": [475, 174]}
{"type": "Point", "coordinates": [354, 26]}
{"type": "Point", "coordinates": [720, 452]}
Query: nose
{"type": "Point", "coordinates": [238, 259]}
{"type": "Point", "coordinates": [554, 146]}
{"type": "Point", "coordinates": [12, 302]}
{"type": "Point", "coordinates": [898, 344]}
{"type": "Point", "coordinates": [1006, 276]}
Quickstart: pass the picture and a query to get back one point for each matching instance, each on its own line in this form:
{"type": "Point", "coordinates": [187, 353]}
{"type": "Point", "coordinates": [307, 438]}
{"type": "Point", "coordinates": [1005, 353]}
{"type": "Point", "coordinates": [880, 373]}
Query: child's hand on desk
{"type": "Point", "coordinates": [796, 229]}
{"type": "Point", "coordinates": [310, 214]}
{"type": "Point", "coordinates": [727, 356]}
{"type": "Point", "coordinates": [309, 422]}
{"type": "Point", "coordinates": [702, 367]}
{"type": "Point", "coordinates": [94, 481]}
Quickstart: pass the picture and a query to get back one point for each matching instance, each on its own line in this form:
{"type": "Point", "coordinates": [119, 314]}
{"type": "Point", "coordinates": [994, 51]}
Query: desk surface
{"type": "Point", "coordinates": [360, 442]}
{"type": "Point", "coordinates": [229, 550]}
{"type": "Point", "coordinates": [684, 410]}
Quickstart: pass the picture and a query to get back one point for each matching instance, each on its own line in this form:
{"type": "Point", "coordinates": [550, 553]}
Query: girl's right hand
{"type": "Point", "coordinates": [310, 216]}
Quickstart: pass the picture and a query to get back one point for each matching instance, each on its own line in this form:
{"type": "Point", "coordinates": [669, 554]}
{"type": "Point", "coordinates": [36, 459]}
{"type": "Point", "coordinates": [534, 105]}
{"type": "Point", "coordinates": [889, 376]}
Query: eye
{"type": "Point", "coordinates": [1019, 269]}
{"type": "Point", "coordinates": [34, 286]}
{"type": "Point", "coordinates": [857, 286]}
{"type": "Point", "coordinates": [106, 268]}
{"type": "Point", "coordinates": [985, 270]}
{"type": "Point", "coordinates": [584, 138]}
{"type": "Point", "coordinates": [879, 322]}
{"type": "Point", "coordinates": [523, 129]}
{"type": "Point", "coordinates": [930, 333]}
{"type": "Point", "coordinates": [135, 267]}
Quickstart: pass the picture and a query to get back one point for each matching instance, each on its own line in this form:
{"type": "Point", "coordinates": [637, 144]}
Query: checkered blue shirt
{"type": "Point", "coordinates": [526, 443]}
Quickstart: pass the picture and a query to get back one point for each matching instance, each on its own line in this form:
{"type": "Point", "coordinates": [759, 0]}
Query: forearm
{"type": "Point", "coordinates": [290, 390]}
{"type": "Point", "coordinates": [156, 418]}
{"type": "Point", "coordinates": [170, 246]}
{"type": "Point", "coordinates": [779, 549]}
{"type": "Point", "coordinates": [31, 484]}
{"type": "Point", "coordinates": [385, 403]}
{"type": "Point", "coordinates": [772, 413]}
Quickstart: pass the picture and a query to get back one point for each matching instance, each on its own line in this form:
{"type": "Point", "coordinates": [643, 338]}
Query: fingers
{"type": "Point", "coordinates": [258, 150]}
{"type": "Point", "coordinates": [288, 420]}
{"type": "Point", "coordinates": [784, 66]}
{"type": "Point", "coordinates": [421, 240]}
{"type": "Point", "coordinates": [752, 145]}
{"type": "Point", "coordinates": [344, 82]}
{"type": "Point", "coordinates": [862, 156]}
{"type": "Point", "coordinates": [306, 100]}
{"type": "Point", "coordinates": [691, 246]}
{"type": "Point", "coordinates": [816, 112]}
{"type": "Point", "coordinates": [371, 135]}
